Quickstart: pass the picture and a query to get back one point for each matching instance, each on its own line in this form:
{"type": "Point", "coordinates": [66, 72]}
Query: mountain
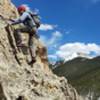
{"type": "Point", "coordinates": [18, 79]}
{"type": "Point", "coordinates": [82, 73]}
{"type": "Point", "coordinates": [77, 67]}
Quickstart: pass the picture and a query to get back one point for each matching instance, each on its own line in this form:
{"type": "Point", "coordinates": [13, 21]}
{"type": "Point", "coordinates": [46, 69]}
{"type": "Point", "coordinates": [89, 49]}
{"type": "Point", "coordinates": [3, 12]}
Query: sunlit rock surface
{"type": "Point", "coordinates": [18, 80]}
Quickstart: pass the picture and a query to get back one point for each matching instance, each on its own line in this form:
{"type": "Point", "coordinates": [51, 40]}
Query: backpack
{"type": "Point", "coordinates": [36, 18]}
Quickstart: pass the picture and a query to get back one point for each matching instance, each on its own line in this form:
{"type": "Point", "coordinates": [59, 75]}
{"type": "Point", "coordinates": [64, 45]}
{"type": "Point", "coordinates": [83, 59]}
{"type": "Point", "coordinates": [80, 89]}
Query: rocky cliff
{"type": "Point", "coordinates": [18, 80]}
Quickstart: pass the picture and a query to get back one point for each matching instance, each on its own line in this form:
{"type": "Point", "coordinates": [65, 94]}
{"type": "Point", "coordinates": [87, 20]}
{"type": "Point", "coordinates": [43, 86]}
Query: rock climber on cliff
{"type": "Point", "coordinates": [30, 26]}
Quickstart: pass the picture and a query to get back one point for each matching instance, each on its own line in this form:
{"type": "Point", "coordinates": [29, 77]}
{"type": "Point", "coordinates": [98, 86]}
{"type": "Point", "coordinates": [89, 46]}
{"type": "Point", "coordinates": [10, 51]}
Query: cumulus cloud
{"type": "Point", "coordinates": [53, 57]}
{"type": "Point", "coordinates": [53, 41]}
{"type": "Point", "coordinates": [46, 27]}
{"type": "Point", "coordinates": [71, 50]}
{"type": "Point", "coordinates": [56, 36]}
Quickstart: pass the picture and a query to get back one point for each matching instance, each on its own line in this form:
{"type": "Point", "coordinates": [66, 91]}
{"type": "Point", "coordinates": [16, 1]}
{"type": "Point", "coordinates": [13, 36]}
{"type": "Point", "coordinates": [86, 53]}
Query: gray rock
{"type": "Point", "coordinates": [18, 80]}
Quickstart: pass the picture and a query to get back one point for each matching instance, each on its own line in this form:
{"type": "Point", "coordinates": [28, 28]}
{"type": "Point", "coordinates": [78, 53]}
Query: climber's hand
{"type": "Point", "coordinates": [12, 20]}
{"type": "Point", "coordinates": [9, 22]}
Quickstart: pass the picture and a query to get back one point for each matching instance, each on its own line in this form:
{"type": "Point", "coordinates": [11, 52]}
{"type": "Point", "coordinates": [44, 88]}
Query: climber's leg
{"type": "Point", "coordinates": [17, 34]}
{"type": "Point", "coordinates": [18, 37]}
{"type": "Point", "coordinates": [32, 49]}
{"type": "Point", "coordinates": [32, 45]}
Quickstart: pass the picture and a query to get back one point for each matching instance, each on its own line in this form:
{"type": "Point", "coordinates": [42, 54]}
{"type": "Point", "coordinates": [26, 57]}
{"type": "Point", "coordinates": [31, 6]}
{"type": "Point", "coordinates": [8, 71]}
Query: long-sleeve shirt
{"type": "Point", "coordinates": [26, 19]}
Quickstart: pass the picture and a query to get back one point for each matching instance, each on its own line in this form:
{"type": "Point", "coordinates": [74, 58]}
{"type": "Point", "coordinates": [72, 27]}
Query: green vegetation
{"type": "Point", "coordinates": [83, 74]}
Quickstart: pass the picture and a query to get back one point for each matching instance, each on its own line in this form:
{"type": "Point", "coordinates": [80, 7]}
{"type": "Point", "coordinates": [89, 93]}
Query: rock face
{"type": "Point", "coordinates": [18, 80]}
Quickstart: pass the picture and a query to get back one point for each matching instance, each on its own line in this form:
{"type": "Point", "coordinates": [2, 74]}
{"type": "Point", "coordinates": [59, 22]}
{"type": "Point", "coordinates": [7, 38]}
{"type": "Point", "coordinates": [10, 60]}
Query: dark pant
{"type": "Point", "coordinates": [32, 33]}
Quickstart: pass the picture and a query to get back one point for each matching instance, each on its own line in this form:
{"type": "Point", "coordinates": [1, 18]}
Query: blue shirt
{"type": "Point", "coordinates": [26, 19]}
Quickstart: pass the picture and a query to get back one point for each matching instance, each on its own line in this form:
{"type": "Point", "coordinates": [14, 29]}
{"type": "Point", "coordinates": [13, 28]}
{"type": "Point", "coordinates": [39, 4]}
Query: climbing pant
{"type": "Point", "coordinates": [32, 36]}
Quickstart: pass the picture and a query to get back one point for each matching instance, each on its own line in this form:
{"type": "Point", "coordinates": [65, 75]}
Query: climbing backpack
{"type": "Point", "coordinates": [36, 18]}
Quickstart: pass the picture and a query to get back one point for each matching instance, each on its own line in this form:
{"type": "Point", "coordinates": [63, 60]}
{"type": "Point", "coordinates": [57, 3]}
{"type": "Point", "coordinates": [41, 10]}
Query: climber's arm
{"type": "Point", "coordinates": [15, 21]}
{"type": "Point", "coordinates": [20, 20]}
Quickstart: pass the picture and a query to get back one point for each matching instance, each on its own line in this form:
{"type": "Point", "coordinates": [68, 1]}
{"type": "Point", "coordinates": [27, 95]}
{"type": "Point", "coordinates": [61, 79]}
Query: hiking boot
{"type": "Point", "coordinates": [32, 61]}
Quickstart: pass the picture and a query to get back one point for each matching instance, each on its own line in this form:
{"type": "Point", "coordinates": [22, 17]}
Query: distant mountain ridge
{"type": "Point", "coordinates": [77, 67]}
{"type": "Point", "coordinates": [83, 74]}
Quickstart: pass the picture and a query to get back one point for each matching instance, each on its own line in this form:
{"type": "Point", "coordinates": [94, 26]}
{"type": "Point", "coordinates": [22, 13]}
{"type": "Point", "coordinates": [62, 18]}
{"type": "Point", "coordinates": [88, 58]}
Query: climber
{"type": "Point", "coordinates": [29, 26]}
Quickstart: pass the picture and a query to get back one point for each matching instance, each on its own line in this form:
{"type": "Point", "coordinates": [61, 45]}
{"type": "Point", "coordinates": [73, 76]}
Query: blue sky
{"type": "Point", "coordinates": [68, 26]}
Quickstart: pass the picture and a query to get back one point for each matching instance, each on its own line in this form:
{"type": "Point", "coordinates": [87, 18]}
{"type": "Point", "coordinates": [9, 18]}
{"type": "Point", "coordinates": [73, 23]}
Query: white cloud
{"type": "Point", "coordinates": [71, 50]}
{"type": "Point", "coordinates": [52, 42]}
{"type": "Point", "coordinates": [53, 57]}
{"type": "Point", "coordinates": [46, 27]}
{"type": "Point", "coordinates": [56, 36]}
